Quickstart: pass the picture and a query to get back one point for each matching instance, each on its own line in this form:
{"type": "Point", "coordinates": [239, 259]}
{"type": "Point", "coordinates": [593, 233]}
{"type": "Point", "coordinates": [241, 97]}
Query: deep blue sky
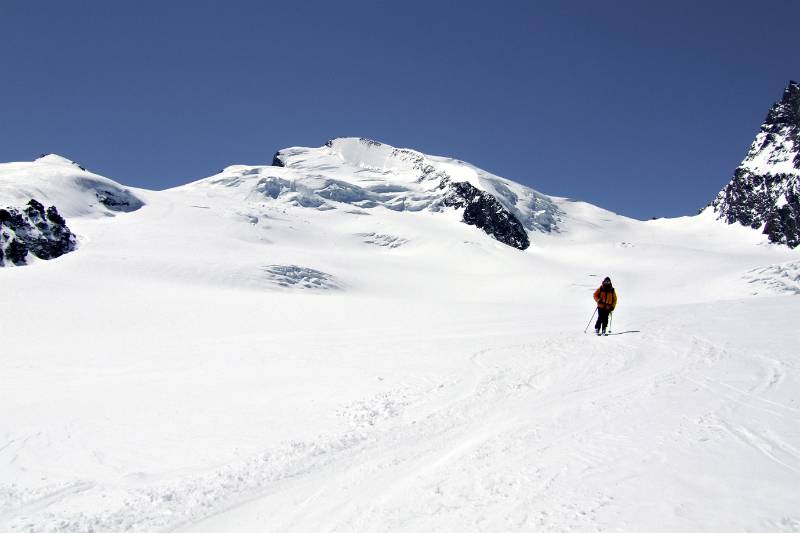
{"type": "Point", "coordinates": [644, 108]}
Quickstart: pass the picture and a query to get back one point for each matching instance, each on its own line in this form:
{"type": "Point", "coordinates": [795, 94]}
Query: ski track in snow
{"type": "Point", "coordinates": [564, 409]}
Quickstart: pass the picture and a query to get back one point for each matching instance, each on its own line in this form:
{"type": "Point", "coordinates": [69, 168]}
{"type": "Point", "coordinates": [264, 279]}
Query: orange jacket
{"type": "Point", "coordinates": [606, 298]}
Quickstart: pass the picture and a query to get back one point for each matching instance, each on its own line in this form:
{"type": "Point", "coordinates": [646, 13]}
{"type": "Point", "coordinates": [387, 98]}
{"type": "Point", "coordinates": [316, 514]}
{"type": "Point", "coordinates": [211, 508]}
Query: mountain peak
{"type": "Point", "coordinates": [765, 190]}
{"type": "Point", "coordinates": [55, 159]}
{"type": "Point", "coordinates": [792, 91]}
{"type": "Point", "coordinates": [368, 153]}
{"type": "Point", "coordinates": [786, 112]}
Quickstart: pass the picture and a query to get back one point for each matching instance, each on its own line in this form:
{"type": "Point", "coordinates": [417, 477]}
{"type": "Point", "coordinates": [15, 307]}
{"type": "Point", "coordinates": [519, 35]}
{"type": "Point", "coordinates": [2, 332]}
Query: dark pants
{"type": "Point", "coordinates": [602, 319]}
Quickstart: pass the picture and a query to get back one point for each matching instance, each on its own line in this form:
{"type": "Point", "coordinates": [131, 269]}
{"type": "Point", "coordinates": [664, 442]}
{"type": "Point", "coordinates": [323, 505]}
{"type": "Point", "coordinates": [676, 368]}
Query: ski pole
{"type": "Point", "coordinates": [610, 320]}
{"type": "Point", "coordinates": [590, 320]}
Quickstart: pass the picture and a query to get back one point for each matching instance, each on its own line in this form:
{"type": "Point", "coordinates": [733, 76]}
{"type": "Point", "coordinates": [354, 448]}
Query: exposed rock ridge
{"type": "Point", "coordinates": [483, 211]}
{"type": "Point", "coordinates": [765, 191]}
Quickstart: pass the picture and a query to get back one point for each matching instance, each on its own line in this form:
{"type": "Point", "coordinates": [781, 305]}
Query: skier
{"type": "Point", "coordinates": [606, 298]}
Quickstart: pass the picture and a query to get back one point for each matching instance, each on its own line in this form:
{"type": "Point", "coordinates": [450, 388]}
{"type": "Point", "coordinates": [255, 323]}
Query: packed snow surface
{"type": "Point", "coordinates": [319, 347]}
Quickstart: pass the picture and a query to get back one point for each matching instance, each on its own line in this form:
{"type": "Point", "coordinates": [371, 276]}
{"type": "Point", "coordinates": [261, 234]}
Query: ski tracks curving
{"type": "Point", "coordinates": [567, 432]}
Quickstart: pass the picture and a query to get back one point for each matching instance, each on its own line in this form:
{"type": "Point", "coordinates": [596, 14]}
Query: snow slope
{"type": "Point", "coordinates": [53, 179]}
{"type": "Point", "coordinates": [324, 347]}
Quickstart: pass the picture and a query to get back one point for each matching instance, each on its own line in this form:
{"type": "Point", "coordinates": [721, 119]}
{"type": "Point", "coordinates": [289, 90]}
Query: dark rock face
{"type": "Point", "coordinates": [483, 211]}
{"type": "Point", "coordinates": [120, 200]}
{"type": "Point", "coordinates": [765, 189]}
{"type": "Point", "coordinates": [36, 230]}
{"type": "Point", "coordinates": [277, 161]}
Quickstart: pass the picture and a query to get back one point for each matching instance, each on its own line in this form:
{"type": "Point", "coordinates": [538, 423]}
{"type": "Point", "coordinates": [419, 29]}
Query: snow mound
{"type": "Point", "coordinates": [55, 180]}
{"type": "Point", "coordinates": [55, 159]}
{"type": "Point", "coordinates": [374, 155]}
{"type": "Point", "coordinates": [781, 278]}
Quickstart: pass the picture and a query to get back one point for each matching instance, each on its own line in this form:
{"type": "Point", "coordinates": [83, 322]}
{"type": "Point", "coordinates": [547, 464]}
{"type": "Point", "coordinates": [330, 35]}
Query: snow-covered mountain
{"type": "Point", "coordinates": [29, 230]}
{"type": "Point", "coordinates": [55, 180]}
{"type": "Point", "coordinates": [356, 338]}
{"type": "Point", "coordinates": [367, 174]}
{"type": "Point", "coordinates": [349, 174]}
{"type": "Point", "coordinates": [765, 192]}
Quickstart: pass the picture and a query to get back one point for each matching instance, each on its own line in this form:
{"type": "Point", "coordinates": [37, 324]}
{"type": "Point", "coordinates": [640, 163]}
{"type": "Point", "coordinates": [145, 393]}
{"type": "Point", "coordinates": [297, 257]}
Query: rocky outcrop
{"type": "Point", "coordinates": [483, 211]}
{"type": "Point", "coordinates": [33, 230]}
{"type": "Point", "coordinates": [765, 190]}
